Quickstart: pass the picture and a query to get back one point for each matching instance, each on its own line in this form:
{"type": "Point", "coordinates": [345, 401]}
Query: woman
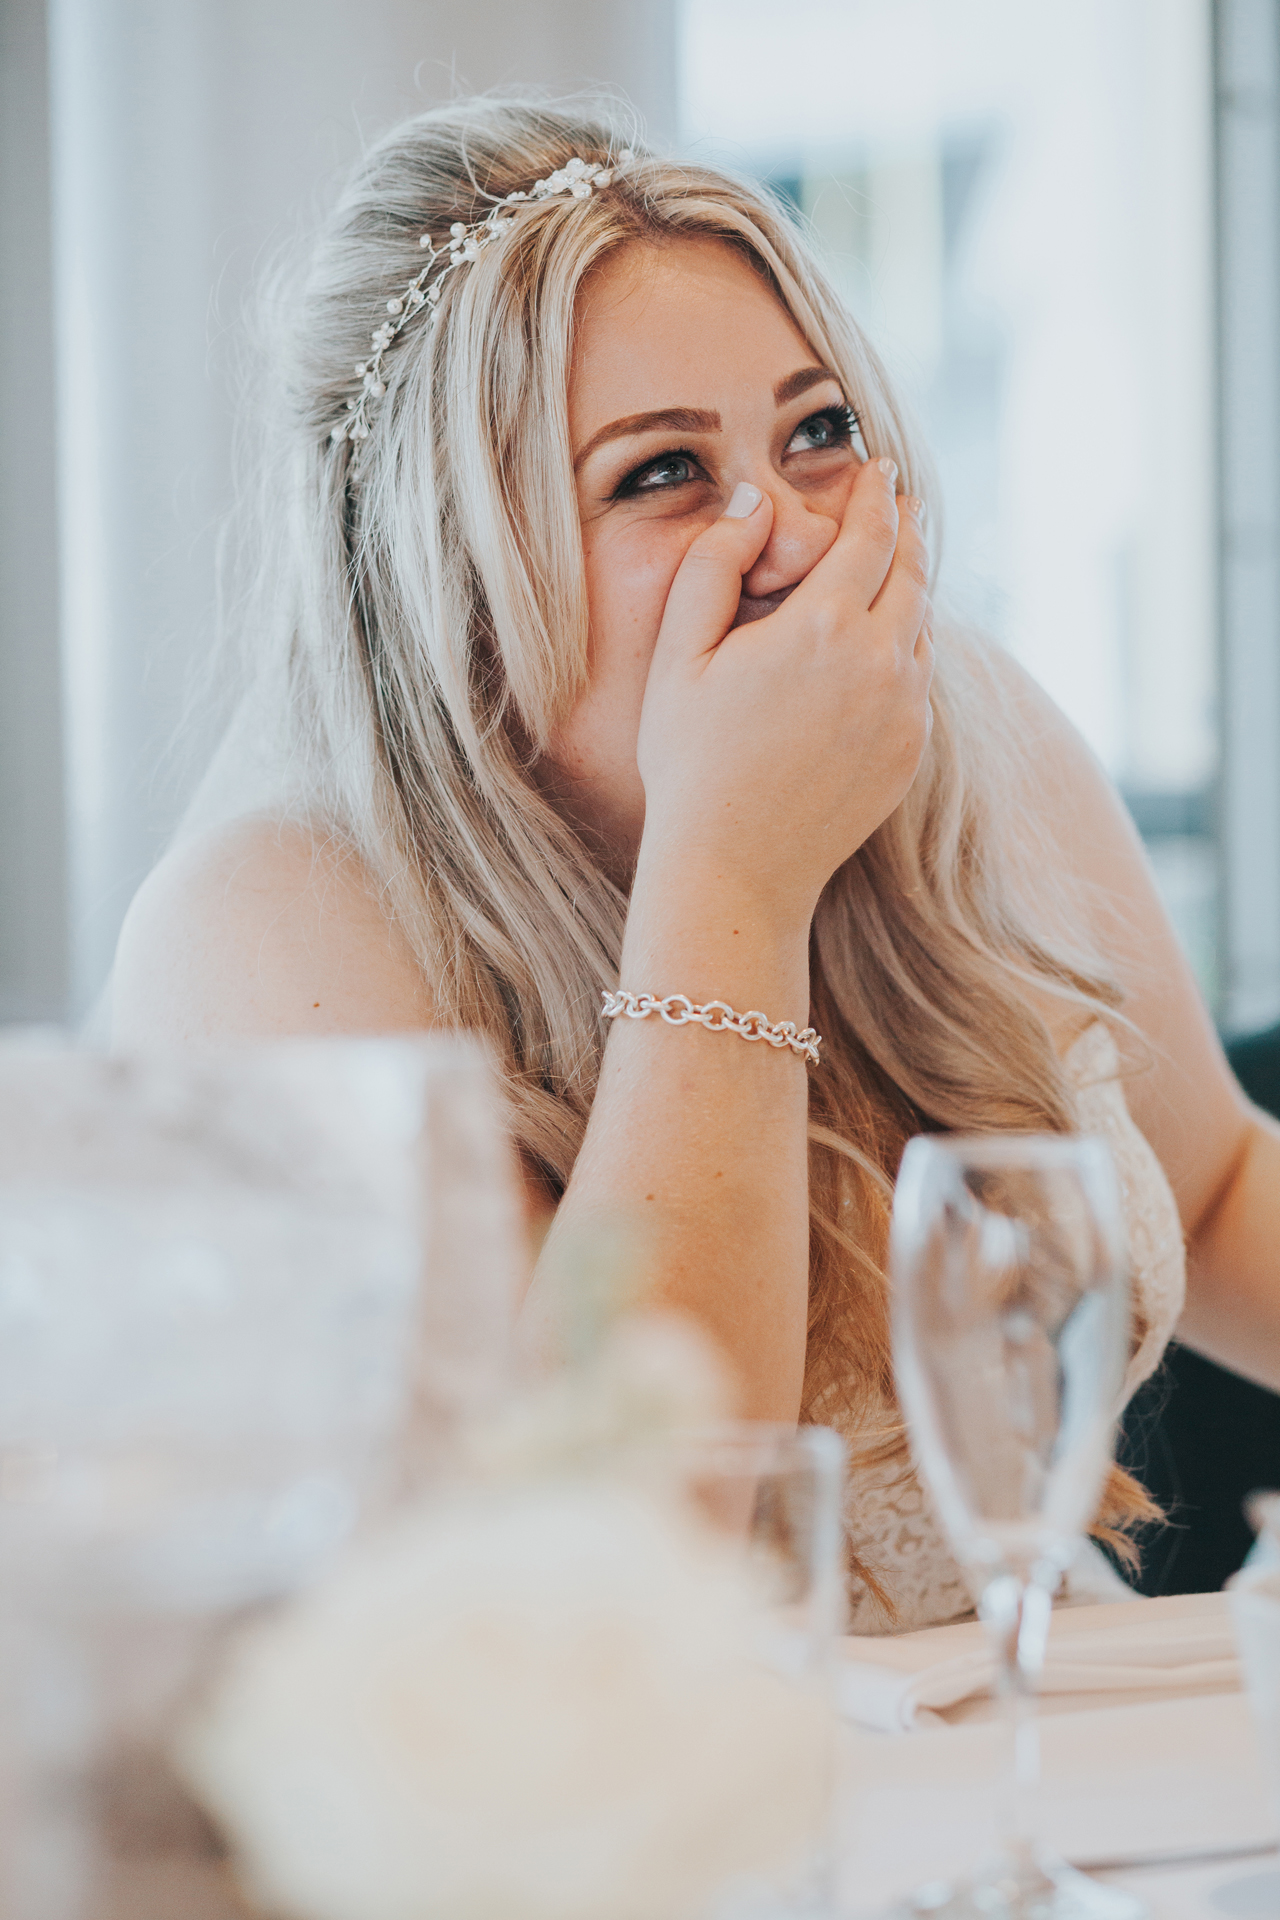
{"type": "Point", "coordinates": [604, 657]}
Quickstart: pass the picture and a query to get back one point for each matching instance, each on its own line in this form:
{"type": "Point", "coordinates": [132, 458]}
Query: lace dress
{"type": "Point", "coordinates": [890, 1520]}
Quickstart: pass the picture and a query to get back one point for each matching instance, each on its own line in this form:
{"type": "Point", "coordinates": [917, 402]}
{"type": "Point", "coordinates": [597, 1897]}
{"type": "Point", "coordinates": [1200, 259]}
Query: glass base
{"type": "Point", "coordinates": [1037, 1888]}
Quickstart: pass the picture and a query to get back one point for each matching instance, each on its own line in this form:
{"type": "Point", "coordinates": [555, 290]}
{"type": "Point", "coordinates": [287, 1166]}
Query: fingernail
{"type": "Point", "coordinates": [746, 499]}
{"type": "Point", "coordinates": [888, 467]}
{"type": "Point", "coordinates": [917, 506]}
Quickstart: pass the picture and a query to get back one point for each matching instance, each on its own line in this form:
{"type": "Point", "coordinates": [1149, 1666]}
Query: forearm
{"type": "Point", "coordinates": [697, 1140]}
{"type": "Point", "coordinates": [1233, 1265]}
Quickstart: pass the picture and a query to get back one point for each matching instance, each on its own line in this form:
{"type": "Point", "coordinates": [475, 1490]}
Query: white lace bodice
{"type": "Point", "coordinates": [889, 1517]}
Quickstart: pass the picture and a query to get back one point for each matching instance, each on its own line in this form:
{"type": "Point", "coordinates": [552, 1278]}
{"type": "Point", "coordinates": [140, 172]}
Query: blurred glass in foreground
{"type": "Point", "coordinates": [211, 1303]}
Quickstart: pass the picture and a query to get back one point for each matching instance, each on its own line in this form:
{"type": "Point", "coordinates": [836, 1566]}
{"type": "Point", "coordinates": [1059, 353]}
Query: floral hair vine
{"type": "Point", "coordinates": [576, 180]}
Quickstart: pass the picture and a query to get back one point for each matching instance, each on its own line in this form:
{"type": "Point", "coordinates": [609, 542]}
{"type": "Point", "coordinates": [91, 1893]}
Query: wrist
{"type": "Point", "coordinates": [680, 871]}
{"type": "Point", "coordinates": [703, 933]}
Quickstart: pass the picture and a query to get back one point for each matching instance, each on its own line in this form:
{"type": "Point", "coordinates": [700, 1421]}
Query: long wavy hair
{"type": "Point", "coordinates": [430, 627]}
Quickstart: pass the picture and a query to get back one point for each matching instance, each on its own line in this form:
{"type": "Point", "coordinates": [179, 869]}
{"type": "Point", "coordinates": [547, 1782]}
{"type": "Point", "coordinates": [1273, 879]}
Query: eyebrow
{"type": "Point", "coordinates": [694, 419]}
{"type": "Point", "coordinates": [674, 419]}
{"type": "Point", "coordinates": [800, 382]}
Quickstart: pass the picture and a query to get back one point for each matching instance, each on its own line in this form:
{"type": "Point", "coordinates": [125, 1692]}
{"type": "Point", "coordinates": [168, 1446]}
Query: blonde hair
{"type": "Point", "coordinates": [436, 628]}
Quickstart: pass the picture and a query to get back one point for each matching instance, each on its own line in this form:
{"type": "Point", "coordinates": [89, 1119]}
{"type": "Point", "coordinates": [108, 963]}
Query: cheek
{"type": "Point", "coordinates": [835, 498]}
{"type": "Point", "coordinates": [629, 571]}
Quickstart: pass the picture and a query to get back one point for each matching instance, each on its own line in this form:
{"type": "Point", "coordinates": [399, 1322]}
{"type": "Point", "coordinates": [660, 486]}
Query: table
{"type": "Point", "coordinates": [1172, 1788]}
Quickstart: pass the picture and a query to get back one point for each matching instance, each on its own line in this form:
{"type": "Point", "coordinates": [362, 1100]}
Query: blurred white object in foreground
{"type": "Point", "coordinates": [293, 1240]}
{"type": "Point", "coordinates": [546, 1703]}
{"type": "Point", "coordinates": [243, 1300]}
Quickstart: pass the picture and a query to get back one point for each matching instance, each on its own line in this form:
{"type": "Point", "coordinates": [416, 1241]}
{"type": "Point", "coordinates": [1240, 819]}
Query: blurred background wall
{"type": "Point", "coordinates": [155, 152]}
{"type": "Point", "coordinates": [1060, 223]}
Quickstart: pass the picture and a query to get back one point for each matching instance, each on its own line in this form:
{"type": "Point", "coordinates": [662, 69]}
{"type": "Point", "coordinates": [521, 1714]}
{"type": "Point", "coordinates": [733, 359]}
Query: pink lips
{"type": "Point", "coordinates": [750, 608]}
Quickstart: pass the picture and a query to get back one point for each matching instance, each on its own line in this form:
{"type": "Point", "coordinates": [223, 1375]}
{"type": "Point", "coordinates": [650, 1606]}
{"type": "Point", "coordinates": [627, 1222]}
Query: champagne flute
{"type": "Point", "coordinates": [1011, 1331]}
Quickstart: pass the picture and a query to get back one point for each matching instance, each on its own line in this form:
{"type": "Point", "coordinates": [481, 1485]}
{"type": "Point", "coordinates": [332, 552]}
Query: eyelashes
{"type": "Point", "coordinates": [632, 483]}
{"type": "Point", "coordinates": [841, 416]}
{"type": "Point", "coordinates": [843, 420]}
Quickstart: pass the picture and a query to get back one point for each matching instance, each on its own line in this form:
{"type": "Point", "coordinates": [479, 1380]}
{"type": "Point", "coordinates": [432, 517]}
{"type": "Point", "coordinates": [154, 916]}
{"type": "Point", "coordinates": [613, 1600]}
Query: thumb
{"type": "Point", "coordinates": [704, 595]}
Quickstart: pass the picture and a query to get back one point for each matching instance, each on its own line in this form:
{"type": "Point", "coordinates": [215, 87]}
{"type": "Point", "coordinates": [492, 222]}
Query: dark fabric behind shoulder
{"type": "Point", "coordinates": [1200, 1439]}
{"type": "Point", "coordinates": [1255, 1061]}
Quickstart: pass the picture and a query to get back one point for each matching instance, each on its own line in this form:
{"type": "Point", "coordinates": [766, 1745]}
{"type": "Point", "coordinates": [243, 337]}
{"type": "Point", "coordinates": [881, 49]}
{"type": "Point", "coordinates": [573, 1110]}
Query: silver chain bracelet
{"type": "Point", "coordinates": [679, 1011]}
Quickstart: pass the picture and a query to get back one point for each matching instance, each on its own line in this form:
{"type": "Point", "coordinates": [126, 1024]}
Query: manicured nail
{"type": "Point", "coordinates": [888, 467]}
{"type": "Point", "coordinates": [917, 506]}
{"type": "Point", "coordinates": [746, 499]}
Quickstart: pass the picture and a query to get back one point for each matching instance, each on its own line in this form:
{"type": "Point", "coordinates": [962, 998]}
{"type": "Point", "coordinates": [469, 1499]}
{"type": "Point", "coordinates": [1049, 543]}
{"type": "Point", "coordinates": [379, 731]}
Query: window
{"type": "Point", "coordinates": [1017, 203]}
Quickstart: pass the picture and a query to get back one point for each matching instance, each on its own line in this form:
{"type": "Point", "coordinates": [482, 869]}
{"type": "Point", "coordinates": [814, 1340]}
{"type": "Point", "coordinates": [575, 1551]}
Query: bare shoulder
{"type": "Point", "coordinates": [1179, 1087]}
{"type": "Point", "coordinates": [261, 928]}
{"type": "Point", "coordinates": [1071, 805]}
{"type": "Point", "coordinates": [1055, 748]}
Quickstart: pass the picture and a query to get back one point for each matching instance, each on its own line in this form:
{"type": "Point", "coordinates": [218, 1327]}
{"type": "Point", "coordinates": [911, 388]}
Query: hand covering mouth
{"type": "Point", "coordinates": [752, 608]}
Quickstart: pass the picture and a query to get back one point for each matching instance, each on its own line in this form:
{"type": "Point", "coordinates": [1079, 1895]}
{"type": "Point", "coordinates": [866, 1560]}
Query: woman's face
{"type": "Point", "coordinates": [688, 377]}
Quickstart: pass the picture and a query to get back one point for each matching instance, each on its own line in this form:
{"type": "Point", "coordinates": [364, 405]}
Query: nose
{"type": "Point", "coordinates": [801, 533]}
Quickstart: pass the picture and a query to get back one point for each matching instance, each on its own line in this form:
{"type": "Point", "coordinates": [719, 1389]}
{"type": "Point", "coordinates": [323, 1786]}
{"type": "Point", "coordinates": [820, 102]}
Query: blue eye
{"type": "Point", "coordinates": [660, 475]}
{"type": "Point", "coordinates": [833, 427]}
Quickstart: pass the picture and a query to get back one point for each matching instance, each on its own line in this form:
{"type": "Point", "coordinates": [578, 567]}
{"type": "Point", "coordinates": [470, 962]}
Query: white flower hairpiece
{"type": "Point", "coordinates": [577, 179]}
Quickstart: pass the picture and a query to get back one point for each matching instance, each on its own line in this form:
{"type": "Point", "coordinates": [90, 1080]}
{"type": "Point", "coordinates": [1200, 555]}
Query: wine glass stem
{"type": "Point", "coordinates": [1024, 1770]}
{"type": "Point", "coordinates": [1016, 1609]}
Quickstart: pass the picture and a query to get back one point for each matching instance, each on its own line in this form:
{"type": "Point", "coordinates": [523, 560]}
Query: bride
{"type": "Point", "coordinates": [596, 652]}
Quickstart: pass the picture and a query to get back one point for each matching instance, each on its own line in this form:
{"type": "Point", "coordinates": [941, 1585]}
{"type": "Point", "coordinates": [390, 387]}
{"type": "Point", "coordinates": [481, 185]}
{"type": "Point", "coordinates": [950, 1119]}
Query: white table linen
{"type": "Point", "coordinates": [1097, 1655]}
{"type": "Point", "coordinates": [1141, 1788]}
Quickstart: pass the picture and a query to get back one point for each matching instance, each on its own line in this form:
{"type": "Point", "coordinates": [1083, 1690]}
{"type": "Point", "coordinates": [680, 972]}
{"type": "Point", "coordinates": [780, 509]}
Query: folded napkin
{"type": "Point", "coordinates": [1182, 1644]}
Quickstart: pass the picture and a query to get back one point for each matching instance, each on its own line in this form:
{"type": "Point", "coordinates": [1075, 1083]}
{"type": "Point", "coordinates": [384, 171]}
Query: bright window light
{"type": "Point", "coordinates": [1016, 202]}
